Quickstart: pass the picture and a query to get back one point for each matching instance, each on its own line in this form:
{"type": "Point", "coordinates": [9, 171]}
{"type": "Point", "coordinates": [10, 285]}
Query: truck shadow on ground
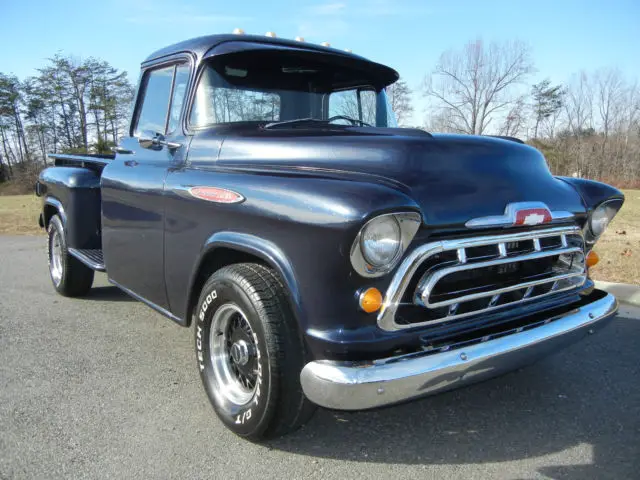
{"type": "Point", "coordinates": [588, 394]}
{"type": "Point", "coordinates": [108, 294]}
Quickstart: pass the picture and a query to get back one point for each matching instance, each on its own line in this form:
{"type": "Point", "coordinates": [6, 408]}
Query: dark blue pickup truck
{"type": "Point", "coordinates": [265, 197]}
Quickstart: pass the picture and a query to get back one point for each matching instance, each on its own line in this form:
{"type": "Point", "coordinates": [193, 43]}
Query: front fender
{"type": "Point", "coordinates": [267, 251]}
{"type": "Point", "coordinates": [593, 193]}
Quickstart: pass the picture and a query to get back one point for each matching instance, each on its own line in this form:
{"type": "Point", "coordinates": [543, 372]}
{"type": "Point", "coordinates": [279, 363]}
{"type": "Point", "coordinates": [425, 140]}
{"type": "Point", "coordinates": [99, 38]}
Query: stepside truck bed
{"type": "Point", "coordinates": [74, 194]}
{"type": "Point", "coordinates": [89, 160]}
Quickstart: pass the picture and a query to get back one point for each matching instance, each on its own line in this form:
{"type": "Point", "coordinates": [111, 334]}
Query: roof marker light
{"type": "Point", "coordinates": [325, 44]}
{"type": "Point", "coordinates": [238, 31]}
{"type": "Point", "coordinates": [271, 34]}
{"type": "Point", "coordinates": [299, 39]}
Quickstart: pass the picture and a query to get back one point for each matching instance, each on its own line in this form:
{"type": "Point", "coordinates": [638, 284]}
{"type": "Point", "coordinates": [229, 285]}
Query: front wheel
{"type": "Point", "coordinates": [70, 276]}
{"type": "Point", "coordinates": [249, 352]}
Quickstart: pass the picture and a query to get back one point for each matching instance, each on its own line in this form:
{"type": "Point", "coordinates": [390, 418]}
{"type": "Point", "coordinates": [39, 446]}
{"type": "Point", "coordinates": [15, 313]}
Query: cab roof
{"type": "Point", "coordinates": [206, 46]}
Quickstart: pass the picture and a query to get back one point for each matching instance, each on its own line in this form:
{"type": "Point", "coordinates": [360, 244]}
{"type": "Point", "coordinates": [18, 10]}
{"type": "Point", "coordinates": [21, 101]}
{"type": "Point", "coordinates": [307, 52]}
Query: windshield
{"type": "Point", "coordinates": [269, 87]}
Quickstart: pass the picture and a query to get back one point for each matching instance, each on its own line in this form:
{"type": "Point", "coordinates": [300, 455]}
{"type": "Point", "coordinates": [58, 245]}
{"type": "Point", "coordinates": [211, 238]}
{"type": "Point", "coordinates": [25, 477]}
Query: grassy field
{"type": "Point", "coordinates": [19, 214]}
{"type": "Point", "coordinates": [619, 247]}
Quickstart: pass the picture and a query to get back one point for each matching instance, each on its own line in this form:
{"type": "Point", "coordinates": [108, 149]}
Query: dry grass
{"type": "Point", "coordinates": [619, 247]}
{"type": "Point", "coordinates": [19, 214]}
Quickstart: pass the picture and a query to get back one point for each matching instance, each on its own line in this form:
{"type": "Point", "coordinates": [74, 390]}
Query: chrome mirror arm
{"type": "Point", "coordinates": [155, 141]}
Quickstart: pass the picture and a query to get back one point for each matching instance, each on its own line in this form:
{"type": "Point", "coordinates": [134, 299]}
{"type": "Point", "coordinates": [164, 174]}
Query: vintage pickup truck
{"type": "Point", "coordinates": [265, 197]}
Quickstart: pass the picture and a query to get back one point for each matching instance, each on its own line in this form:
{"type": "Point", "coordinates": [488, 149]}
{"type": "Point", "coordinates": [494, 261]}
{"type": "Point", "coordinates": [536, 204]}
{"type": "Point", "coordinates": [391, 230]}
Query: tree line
{"type": "Point", "coordinates": [587, 127]}
{"type": "Point", "coordinates": [70, 106]}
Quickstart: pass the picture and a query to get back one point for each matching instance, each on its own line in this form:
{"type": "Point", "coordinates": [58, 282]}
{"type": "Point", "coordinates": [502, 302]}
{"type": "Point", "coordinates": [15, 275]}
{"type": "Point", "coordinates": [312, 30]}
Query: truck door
{"type": "Point", "coordinates": [133, 184]}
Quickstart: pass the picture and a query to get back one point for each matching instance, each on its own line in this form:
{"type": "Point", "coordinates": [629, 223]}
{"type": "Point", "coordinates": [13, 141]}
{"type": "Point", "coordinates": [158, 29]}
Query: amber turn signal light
{"type": "Point", "coordinates": [370, 300]}
{"type": "Point", "coordinates": [592, 259]}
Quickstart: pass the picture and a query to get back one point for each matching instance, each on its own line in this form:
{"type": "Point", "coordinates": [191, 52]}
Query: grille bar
{"type": "Point", "coordinates": [540, 242]}
{"type": "Point", "coordinates": [428, 283]}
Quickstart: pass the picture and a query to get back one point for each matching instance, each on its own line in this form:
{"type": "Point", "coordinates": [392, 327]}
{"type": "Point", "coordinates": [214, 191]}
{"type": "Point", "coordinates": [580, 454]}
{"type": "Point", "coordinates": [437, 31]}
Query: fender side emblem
{"type": "Point", "coordinates": [217, 195]}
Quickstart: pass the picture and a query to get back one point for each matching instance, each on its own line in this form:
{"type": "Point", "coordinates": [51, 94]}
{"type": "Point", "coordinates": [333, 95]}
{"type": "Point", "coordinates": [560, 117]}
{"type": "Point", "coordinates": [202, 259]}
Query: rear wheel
{"type": "Point", "coordinates": [249, 352]}
{"type": "Point", "coordinates": [70, 276]}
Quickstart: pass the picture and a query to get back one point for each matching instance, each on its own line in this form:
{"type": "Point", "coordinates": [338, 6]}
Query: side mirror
{"type": "Point", "coordinates": [155, 141]}
{"type": "Point", "coordinates": [149, 139]}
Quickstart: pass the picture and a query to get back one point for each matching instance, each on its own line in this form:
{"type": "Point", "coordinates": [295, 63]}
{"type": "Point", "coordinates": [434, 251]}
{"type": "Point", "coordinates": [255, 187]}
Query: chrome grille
{"type": "Point", "coordinates": [485, 273]}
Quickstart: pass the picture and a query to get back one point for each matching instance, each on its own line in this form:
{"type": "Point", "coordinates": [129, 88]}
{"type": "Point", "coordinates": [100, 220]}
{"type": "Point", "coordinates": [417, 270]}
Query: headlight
{"type": "Point", "coordinates": [600, 218]}
{"type": "Point", "coordinates": [381, 242]}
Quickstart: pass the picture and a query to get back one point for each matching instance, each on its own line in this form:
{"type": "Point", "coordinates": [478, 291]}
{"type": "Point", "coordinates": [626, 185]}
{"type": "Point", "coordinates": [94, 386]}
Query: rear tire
{"type": "Point", "coordinates": [249, 352]}
{"type": "Point", "coordinates": [70, 277]}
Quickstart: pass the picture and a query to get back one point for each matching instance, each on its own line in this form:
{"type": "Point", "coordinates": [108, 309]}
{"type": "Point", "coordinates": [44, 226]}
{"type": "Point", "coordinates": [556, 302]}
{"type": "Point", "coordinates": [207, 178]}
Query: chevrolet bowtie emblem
{"type": "Point", "coordinates": [520, 213]}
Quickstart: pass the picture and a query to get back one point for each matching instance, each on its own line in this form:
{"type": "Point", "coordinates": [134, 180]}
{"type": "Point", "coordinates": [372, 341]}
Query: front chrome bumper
{"type": "Point", "coordinates": [363, 385]}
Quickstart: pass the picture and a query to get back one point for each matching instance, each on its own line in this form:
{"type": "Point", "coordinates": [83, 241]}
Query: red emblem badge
{"type": "Point", "coordinates": [217, 195]}
{"type": "Point", "coordinates": [532, 216]}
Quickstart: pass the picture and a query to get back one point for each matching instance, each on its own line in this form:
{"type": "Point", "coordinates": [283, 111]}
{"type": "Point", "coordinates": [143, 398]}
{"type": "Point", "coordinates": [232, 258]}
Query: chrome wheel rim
{"type": "Point", "coordinates": [234, 355]}
{"type": "Point", "coordinates": [55, 257]}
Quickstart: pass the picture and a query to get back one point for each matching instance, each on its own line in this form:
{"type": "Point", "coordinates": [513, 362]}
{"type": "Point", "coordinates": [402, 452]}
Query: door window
{"type": "Point", "coordinates": [355, 103]}
{"type": "Point", "coordinates": [153, 116]}
{"type": "Point", "coordinates": [177, 99]}
{"type": "Point", "coordinates": [153, 111]}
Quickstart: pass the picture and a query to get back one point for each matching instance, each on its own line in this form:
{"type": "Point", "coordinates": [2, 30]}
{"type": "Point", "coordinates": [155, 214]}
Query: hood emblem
{"type": "Point", "coordinates": [520, 213]}
{"type": "Point", "coordinates": [215, 194]}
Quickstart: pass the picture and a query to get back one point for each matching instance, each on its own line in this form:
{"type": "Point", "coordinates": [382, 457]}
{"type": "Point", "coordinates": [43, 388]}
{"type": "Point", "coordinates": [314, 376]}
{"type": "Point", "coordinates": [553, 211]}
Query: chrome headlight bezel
{"type": "Point", "coordinates": [606, 210]}
{"type": "Point", "coordinates": [408, 224]}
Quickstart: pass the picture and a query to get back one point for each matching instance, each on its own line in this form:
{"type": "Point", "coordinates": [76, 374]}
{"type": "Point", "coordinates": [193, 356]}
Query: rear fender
{"type": "Point", "coordinates": [55, 204]}
{"type": "Point", "coordinates": [75, 194]}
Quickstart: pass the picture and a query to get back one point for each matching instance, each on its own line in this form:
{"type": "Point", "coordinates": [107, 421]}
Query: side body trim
{"type": "Point", "coordinates": [157, 308]}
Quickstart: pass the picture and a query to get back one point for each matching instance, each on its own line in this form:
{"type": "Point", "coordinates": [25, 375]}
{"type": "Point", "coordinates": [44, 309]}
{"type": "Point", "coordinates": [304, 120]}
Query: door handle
{"type": "Point", "coordinates": [130, 163]}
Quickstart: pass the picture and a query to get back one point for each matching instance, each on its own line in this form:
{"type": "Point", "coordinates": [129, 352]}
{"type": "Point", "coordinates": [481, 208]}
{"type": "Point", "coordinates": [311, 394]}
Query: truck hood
{"type": "Point", "coordinates": [451, 178]}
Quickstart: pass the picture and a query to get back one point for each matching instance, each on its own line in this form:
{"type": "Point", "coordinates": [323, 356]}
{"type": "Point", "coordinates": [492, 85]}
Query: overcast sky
{"type": "Point", "coordinates": [566, 36]}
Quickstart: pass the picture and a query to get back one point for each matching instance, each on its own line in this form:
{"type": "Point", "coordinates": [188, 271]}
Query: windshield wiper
{"type": "Point", "coordinates": [291, 123]}
{"type": "Point", "coordinates": [316, 121]}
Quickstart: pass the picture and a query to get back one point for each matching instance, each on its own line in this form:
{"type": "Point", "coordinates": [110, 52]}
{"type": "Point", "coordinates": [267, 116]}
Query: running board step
{"type": "Point", "coordinates": [91, 258]}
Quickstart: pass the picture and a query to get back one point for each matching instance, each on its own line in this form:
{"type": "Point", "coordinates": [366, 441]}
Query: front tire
{"type": "Point", "coordinates": [249, 352]}
{"type": "Point", "coordinates": [70, 277]}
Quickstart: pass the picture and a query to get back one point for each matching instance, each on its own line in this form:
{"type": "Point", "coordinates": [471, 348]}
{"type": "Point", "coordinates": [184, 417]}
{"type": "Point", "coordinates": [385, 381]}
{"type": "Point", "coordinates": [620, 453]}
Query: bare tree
{"type": "Point", "coordinates": [609, 94]}
{"type": "Point", "coordinates": [515, 121]}
{"type": "Point", "coordinates": [478, 83]}
{"type": "Point", "coordinates": [579, 104]}
{"type": "Point", "coordinates": [399, 95]}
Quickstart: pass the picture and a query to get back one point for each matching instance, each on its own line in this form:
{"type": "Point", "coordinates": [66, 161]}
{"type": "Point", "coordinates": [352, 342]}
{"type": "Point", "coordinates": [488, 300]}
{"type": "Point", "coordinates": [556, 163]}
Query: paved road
{"type": "Point", "coordinates": [103, 387]}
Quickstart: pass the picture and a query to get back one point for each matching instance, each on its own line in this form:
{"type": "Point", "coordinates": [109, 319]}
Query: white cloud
{"type": "Point", "coordinates": [334, 18]}
{"type": "Point", "coordinates": [325, 28]}
{"type": "Point", "coordinates": [183, 18]}
{"type": "Point", "coordinates": [331, 8]}
{"type": "Point", "coordinates": [168, 11]}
